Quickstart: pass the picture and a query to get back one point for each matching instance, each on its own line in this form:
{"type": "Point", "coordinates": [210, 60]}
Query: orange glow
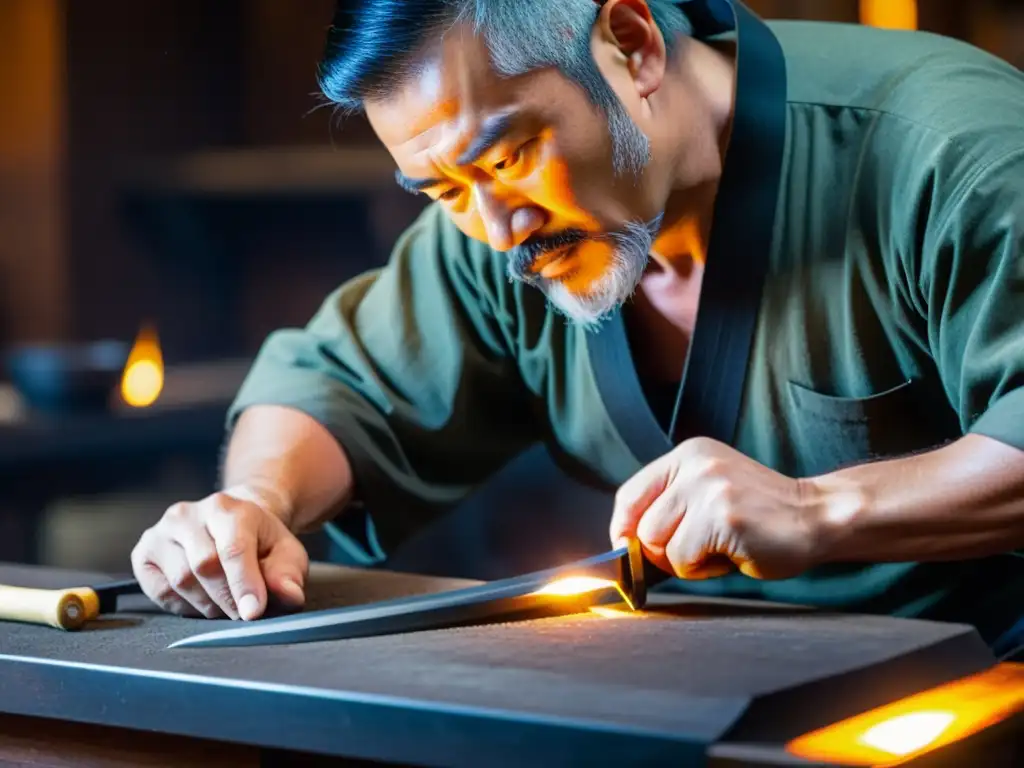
{"type": "Point", "coordinates": [889, 14]}
{"type": "Point", "coordinates": [590, 264]}
{"type": "Point", "coordinates": [143, 377]}
{"type": "Point", "coordinates": [921, 723]}
{"type": "Point", "coordinates": [583, 586]}
{"type": "Point", "coordinates": [571, 586]}
{"type": "Point", "coordinates": [608, 612]}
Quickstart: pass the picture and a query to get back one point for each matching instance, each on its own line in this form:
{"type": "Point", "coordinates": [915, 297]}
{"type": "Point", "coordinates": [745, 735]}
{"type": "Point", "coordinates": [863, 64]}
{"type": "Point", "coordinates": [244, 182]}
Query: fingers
{"type": "Point", "coordinates": [636, 495]}
{"type": "Point", "coordinates": [693, 553]}
{"type": "Point", "coordinates": [205, 557]}
{"type": "Point", "coordinates": [656, 526]}
{"type": "Point", "coordinates": [169, 581]}
{"type": "Point", "coordinates": [234, 532]}
{"type": "Point", "coordinates": [285, 569]}
{"type": "Point", "coordinates": [661, 520]}
{"type": "Point", "coordinates": [155, 584]}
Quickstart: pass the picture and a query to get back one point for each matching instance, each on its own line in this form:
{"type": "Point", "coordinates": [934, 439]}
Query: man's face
{"type": "Point", "coordinates": [525, 164]}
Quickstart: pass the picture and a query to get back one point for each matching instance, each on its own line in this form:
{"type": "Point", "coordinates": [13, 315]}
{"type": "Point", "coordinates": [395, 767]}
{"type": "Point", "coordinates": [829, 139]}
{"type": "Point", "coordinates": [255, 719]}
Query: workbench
{"type": "Point", "coordinates": [687, 681]}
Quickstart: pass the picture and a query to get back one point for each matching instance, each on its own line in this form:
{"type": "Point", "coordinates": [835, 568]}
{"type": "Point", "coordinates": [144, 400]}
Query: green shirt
{"type": "Point", "coordinates": [891, 321]}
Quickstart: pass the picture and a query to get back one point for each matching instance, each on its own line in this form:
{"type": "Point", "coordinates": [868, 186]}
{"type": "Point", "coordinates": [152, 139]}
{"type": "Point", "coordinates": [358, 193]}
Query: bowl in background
{"type": "Point", "coordinates": [66, 378]}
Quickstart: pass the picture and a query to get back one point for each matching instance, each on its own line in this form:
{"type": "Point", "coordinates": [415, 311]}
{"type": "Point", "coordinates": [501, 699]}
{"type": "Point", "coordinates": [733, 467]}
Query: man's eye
{"type": "Point", "coordinates": [450, 194]}
{"type": "Point", "coordinates": [518, 162]}
{"type": "Point", "coordinates": [510, 162]}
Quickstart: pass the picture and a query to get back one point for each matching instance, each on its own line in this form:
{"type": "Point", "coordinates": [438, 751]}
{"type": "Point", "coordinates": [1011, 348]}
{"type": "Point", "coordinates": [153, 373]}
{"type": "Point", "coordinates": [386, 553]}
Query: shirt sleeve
{"type": "Point", "coordinates": [412, 369]}
{"type": "Point", "coordinates": [972, 284]}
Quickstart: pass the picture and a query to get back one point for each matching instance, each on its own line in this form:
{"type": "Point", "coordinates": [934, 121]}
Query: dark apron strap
{"type": "Point", "coordinates": [742, 234]}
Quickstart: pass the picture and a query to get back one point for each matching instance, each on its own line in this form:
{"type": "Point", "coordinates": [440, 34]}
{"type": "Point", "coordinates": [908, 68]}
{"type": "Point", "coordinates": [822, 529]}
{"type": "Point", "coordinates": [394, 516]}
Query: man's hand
{"type": "Point", "coordinates": [219, 557]}
{"type": "Point", "coordinates": [705, 509]}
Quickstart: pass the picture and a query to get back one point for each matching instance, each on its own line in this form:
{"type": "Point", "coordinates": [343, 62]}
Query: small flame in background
{"type": "Point", "coordinates": [889, 14]}
{"type": "Point", "coordinates": [143, 377]}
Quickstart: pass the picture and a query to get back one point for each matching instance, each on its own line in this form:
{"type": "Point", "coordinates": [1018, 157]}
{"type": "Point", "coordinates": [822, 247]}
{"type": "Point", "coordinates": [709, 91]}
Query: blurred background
{"type": "Point", "coordinates": [171, 190]}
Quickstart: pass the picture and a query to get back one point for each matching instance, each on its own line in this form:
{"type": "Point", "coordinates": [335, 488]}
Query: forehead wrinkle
{"type": "Point", "coordinates": [436, 116]}
{"type": "Point", "coordinates": [453, 138]}
{"type": "Point", "coordinates": [428, 151]}
{"type": "Point", "coordinates": [457, 105]}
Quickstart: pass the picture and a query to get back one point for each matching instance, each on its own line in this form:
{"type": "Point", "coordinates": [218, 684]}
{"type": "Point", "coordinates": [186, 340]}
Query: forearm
{"type": "Point", "coordinates": [964, 500]}
{"type": "Point", "coordinates": [292, 462]}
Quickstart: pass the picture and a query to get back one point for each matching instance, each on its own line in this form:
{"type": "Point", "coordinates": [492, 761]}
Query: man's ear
{"type": "Point", "coordinates": [630, 27]}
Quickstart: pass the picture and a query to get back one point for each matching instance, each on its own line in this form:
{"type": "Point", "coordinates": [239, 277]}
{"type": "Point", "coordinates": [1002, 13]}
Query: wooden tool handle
{"type": "Point", "coordinates": [60, 608]}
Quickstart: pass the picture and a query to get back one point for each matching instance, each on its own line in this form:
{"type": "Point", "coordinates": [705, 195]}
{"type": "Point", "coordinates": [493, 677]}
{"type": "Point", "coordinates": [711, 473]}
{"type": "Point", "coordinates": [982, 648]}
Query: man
{"type": "Point", "coordinates": [842, 421]}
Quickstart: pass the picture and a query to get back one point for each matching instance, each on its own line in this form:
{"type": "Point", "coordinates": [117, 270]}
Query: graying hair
{"type": "Point", "coordinates": [523, 35]}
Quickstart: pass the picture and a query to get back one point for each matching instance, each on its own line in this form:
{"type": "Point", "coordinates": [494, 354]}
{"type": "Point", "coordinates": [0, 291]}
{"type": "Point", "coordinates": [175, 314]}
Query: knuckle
{"type": "Point", "coordinates": [148, 540]}
{"type": "Point", "coordinates": [675, 496]}
{"type": "Point", "coordinates": [233, 549]}
{"type": "Point", "coordinates": [226, 503]}
{"type": "Point", "coordinates": [219, 504]}
{"type": "Point", "coordinates": [701, 445]}
{"type": "Point", "coordinates": [710, 468]}
{"type": "Point", "coordinates": [627, 492]}
{"type": "Point", "coordinates": [238, 521]}
{"type": "Point", "coordinates": [139, 554]}
{"type": "Point", "coordinates": [248, 516]}
{"type": "Point", "coordinates": [689, 448]}
{"type": "Point", "coordinates": [164, 596]}
{"type": "Point", "coordinates": [181, 578]}
{"type": "Point", "coordinates": [207, 564]}
{"type": "Point", "coordinates": [734, 519]}
{"type": "Point", "coordinates": [145, 555]}
{"type": "Point", "coordinates": [727, 495]}
{"type": "Point", "coordinates": [177, 513]}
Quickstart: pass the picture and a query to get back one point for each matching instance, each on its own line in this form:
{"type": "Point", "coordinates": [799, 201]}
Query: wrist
{"type": "Point", "coordinates": [837, 507]}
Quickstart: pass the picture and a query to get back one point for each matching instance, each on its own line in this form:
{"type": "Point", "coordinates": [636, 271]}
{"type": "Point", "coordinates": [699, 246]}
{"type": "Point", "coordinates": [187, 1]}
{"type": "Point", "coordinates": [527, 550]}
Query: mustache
{"type": "Point", "coordinates": [525, 254]}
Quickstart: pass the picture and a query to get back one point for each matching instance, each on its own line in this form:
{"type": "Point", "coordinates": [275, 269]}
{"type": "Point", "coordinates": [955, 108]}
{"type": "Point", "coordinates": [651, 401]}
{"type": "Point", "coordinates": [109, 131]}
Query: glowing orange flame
{"type": "Point", "coordinates": [921, 723]}
{"type": "Point", "coordinates": [143, 377]}
{"type": "Point", "coordinates": [575, 585]}
{"type": "Point", "coordinates": [889, 14]}
{"type": "Point", "coordinates": [608, 612]}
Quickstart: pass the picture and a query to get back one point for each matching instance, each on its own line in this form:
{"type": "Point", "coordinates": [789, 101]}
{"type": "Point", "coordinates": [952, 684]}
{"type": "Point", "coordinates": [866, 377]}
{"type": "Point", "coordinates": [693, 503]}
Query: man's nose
{"type": "Point", "coordinates": [507, 221]}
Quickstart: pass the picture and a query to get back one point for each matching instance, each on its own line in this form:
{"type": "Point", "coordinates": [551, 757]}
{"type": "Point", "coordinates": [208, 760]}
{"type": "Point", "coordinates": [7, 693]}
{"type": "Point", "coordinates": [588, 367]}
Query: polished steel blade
{"type": "Point", "coordinates": [493, 600]}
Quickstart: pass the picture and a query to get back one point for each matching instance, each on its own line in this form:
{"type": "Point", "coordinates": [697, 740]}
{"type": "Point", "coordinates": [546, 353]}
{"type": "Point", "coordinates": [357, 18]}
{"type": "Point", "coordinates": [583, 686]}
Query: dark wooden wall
{"type": "Point", "coordinates": [90, 87]}
{"type": "Point", "coordinates": [157, 77]}
{"type": "Point", "coordinates": [33, 285]}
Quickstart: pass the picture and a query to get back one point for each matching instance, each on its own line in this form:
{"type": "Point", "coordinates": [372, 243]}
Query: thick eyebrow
{"type": "Point", "coordinates": [415, 186]}
{"type": "Point", "coordinates": [492, 130]}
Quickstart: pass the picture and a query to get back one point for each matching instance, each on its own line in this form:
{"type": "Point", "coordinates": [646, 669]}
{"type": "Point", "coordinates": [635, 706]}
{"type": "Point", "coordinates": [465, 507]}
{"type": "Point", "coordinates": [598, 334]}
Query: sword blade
{"type": "Point", "coordinates": [492, 600]}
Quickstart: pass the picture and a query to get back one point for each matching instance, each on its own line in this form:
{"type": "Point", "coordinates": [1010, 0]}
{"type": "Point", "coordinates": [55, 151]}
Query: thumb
{"type": "Point", "coordinates": [635, 496]}
{"type": "Point", "coordinates": [285, 567]}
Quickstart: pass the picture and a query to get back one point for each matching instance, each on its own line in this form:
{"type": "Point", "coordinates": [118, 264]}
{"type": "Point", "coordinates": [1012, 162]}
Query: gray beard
{"type": "Point", "coordinates": [631, 248]}
{"type": "Point", "coordinates": [631, 245]}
